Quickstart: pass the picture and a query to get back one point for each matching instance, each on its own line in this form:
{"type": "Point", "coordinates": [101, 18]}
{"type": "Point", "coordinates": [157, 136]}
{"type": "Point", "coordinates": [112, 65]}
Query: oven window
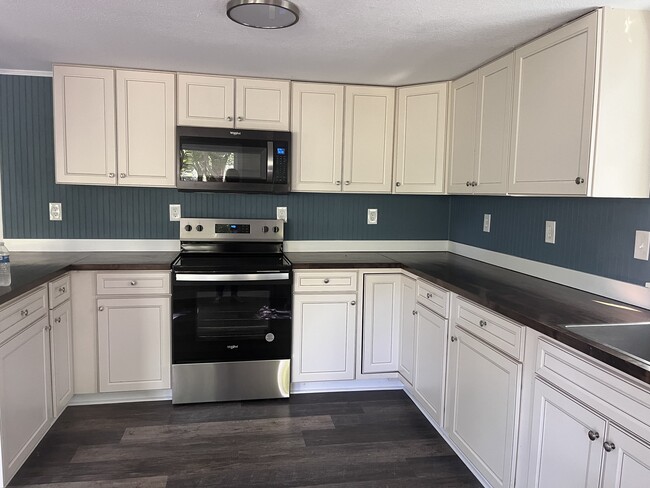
{"type": "Point", "coordinates": [223, 162]}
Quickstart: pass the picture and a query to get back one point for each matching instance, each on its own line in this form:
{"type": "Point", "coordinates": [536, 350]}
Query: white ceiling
{"type": "Point", "coordinates": [384, 42]}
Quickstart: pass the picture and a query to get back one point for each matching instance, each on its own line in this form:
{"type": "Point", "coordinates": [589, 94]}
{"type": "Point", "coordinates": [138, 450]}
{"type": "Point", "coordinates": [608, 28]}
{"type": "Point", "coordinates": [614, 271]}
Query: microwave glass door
{"type": "Point", "coordinates": [225, 161]}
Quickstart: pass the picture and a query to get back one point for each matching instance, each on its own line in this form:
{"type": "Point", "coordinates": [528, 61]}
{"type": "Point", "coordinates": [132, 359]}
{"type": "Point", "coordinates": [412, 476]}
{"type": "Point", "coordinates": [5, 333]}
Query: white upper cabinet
{"type": "Point", "coordinates": [317, 138]}
{"type": "Point", "coordinates": [84, 125]}
{"type": "Point", "coordinates": [205, 101]}
{"type": "Point", "coordinates": [582, 109]}
{"type": "Point", "coordinates": [368, 140]}
{"type": "Point", "coordinates": [479, 143]}
{"type": "Point", "coordinates": [420, 139]}
{"type": "Point", "coordinates": [243, 103]}
{"type": "Point", "coordinates": [462, 135]}
{"type": "Point", "coordinates": [146, 128]}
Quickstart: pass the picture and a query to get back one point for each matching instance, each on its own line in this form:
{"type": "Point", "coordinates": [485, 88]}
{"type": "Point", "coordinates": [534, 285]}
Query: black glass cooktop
{"type": "Point", "coordinates": [230, 263]}
{"type": "Point", "coordinates": [632, 339]}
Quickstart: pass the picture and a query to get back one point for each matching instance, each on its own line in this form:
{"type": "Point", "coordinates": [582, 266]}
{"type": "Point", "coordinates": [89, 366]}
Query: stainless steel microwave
{"type": "Point", "coordinates": [233, 160]}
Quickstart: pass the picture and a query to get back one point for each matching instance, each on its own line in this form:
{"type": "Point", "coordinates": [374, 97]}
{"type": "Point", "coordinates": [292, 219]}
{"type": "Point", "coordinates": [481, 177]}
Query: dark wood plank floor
{"type": "Point", "coordinates": [360, 439]}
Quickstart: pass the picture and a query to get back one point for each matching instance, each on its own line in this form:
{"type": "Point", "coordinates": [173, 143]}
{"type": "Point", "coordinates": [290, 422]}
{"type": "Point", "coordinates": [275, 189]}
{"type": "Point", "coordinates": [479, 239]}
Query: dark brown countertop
{"type": "Point", "coordinates": [31, 269]}
{"type": "Point", "coordinates": [539, 304]}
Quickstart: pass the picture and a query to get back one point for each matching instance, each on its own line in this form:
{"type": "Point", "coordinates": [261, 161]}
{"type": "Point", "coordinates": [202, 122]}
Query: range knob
{"type": "Point", "coordinates": [276, 229]}
{"type": "Point", "coordinates": [188, 227]}
{"type": "Point", "coordinates": [199, 228]}
{"type": "Point", "coordinates": [265, 229]}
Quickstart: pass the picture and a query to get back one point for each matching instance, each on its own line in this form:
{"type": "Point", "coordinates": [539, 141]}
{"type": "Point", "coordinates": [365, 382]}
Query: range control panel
{"type": "Point", "coordinates": [241, 230]}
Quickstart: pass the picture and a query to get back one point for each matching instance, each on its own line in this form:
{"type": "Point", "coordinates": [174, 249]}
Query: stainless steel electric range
{"type": "Point", "coordinates": [231, 305]}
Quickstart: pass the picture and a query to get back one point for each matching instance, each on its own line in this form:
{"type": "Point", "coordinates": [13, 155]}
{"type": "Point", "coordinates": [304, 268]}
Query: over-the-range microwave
{"type": "Point", "coordinates": [233, 160]}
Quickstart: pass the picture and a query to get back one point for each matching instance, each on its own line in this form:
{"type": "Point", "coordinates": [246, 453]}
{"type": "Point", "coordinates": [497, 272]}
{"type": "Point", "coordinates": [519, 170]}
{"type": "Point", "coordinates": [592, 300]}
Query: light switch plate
{"type": "Point", "coordinates": [281, 213]}
{"type": "Point", "coordinates": [373, 215]}
{"type": "Point", "coordinates": [487, 221]}
{"type": "Point", "coordinates": [549, 232]}
{"type": "Point", "coordinates": [56, 211]}
{"type": "Point", "coordinates": [174, 211]}
{"type": "Point", "coordinates": [641, 245]}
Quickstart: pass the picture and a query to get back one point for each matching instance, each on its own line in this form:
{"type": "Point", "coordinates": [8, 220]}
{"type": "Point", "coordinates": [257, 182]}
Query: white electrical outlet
{"type": "Point", "coordinates": [487, 220]}
{"type": "Point", "coordinates": [174, 212]}
{"type": "Point", "coordinates": [373, 215]}
{"type": "Point", "coordinates": [281, 213]}
{"type": "Point", "coordinates": [641, 245]}
{"type": "Point", "coordinates": [56, 211]}
{"type": "Point", "coordinates": [549, 232]}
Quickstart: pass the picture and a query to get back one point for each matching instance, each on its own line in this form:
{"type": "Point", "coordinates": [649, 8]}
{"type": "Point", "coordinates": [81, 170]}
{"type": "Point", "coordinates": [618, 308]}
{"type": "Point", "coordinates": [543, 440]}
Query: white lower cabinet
{"type": "Point", "coordinates": [407, 329]}
{"type": "Point", "coordinates": [324, 330]}
{"type": "Point", "coordinates": [430, 360]}
{"type": "Point", "coordinates": [134, 343]}
{"type": "Point", "coordinates": [381, 315]}
{"type": "Point", "coordinates": [25, 395]}
{"type": "Point", "coordinates": [566, 442]}
{"type": "Point", "coordinates": [482, 407]}
{"type": "Point", "coordinates": [627, 464]}
{"type": "Point", "coordinates": [61, 351]}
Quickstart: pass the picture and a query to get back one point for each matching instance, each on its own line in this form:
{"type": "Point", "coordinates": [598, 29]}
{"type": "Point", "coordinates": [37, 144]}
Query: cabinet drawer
{"type": "Point", "coordinates": [59, 291]}
{"type": "Point", "coordinates": [494, 329]}
{"type": "Point", "coordinates": [132, 283]}
{"type": "Point", "coordinates": [325, 281]}
{"type": "Point", "coordinates": [593, 383]}
{"type": "Point", "coordinates": [22, 311]}
{"type": "Point", "coordinates": [434, 298]}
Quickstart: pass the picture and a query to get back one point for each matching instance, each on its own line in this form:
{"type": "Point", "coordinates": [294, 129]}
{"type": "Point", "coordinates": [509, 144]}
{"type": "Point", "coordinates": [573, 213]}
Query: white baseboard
{"type": "Point", "coordinates": [350, 385]}
{"type": "Point", "coordinates": [599, 285]}
{"type": "Point", "coordinates": [121, 397]}
{"type": "Point", "coordinates": [361, 246]}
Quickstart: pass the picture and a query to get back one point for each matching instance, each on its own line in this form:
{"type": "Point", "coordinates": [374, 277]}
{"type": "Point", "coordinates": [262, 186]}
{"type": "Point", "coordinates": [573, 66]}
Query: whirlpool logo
{"type": "Point", "coordinates": [233, 346]}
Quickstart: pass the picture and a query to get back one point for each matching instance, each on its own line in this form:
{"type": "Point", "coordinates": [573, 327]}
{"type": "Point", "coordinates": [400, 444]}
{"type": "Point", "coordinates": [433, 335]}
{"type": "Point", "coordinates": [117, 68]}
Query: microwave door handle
{"type": "Point", "coordinates": [269, 162]}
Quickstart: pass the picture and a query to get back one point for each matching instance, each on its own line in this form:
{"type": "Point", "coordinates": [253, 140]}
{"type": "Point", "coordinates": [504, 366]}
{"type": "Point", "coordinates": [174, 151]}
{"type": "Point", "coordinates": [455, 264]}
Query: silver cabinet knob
{"type": "Point", "coordinates": [101, 309]}
{"type": "Point", "coordinates": [414, 312]}
{"type": "Point", "coordinates": [62, 289]}
{"type": "Point", "coordinates": [609, 446]}
{"type": "Point", "coordinates": [347, 182]}
{"type": "Point", "coordinates": [353, 303]}
{"type": "Point", "coordinates": [429, 295]}
{"type": "Point", "coordinates": [229, 118]}
{"type": "Point", "coordinates": [48, 327]}
{"type": "Point", "coordinates": [338, 182]}
{"type": "Point", "coordinates": [469, 183]}
{"type": "Point", "coordinates": [240, 119]}
{"type": "Point", "coordinates": [593, 435]}
{"type": "Point", "coordinates": [57, 320]}
{"type": "Point", "coordinates": [482, 323]}
{"type": "Point", "coordinates": [474, 183]}
{"type": "Point", "coordinates": [24, 313]}
{"type": "Point", "coordinates": [454, 338]}
{"type": "Point", "coordinates": [133, 283]}
{"type": "Point", "coordinates": [122, 175]}
{"type": "Point", "coordinates": [579, 181]}
{"type": "Point", "coordinates": [111, 175]}
{"type": "Point", "coordinates": [398, 184]}
{"type": "Point", "coordinates": [326, 280]}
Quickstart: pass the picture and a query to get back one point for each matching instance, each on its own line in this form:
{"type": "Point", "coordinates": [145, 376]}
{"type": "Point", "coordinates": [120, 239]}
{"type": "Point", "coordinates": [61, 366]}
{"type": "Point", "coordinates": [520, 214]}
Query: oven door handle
{"type": "Point", "coordinates": [233, 277]}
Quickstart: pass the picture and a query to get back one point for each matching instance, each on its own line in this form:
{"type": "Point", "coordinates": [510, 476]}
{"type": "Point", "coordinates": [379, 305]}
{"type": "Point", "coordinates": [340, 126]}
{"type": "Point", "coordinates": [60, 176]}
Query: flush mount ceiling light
{"type": "Point", "coordinates": [263, 14]}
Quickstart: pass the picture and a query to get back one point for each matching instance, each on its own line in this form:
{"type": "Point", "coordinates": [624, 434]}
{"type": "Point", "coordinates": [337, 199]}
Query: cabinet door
{"type": "Point", "coordinates": [482, 406]}
{"type": "Point", "coordinates": [84, 125]}
{"type": "Point", "coordinates": [61, 350]}
{"type": "Point", "coordinates": [562, 453]}
{"type": "Point", "coordinates": [317, 137]}
{"type": "Point", "coordinates": [206, 101]}
{"type": "Point", "coordinates": [381, 316]}
{"type": "Point", "coordinates": [146, 128]}
{"type": "Point", "coordinates": [262, 104]}
{"type": "Point", "coordinates": [627, 465]}
{"type": "Point", "coordinates": [407, 329]}
{"type": "Point", "coordinates": [462, 135]}
{"type": "Point", "coordinates": [430, 360]}
{"type": "Point", "coordinates": [25, 395]}
{"type": "Point", "coordinates": [324, 328]}
{"type": "Point", "coordinates": [134, 337]}
{"type": "Point", "coordinates": [494, 116]}
{"type": "Point", "coordinates": [553, 111]}
{"type": "Point", "coordinates": [368, 140]}
{"type": "Point", "coordinates": [421, 133]}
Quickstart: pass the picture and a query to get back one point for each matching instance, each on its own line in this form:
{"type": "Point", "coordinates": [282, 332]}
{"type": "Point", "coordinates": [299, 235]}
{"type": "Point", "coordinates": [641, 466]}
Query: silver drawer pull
{"type": "Point", "coordinates": [326, 280]}
{"type": "Point", "coordinates": [593, 435]}
{"type": "Point", "coordinates": [101, 309]}
{"type": "Point", "coordinates": [62, 289]}
{"type": "Point", "coordinates": [609, 446]}
{"type": "Point", "coordinates": [482, 323]}
{"type": "Point", "coordinates": [133, 283]}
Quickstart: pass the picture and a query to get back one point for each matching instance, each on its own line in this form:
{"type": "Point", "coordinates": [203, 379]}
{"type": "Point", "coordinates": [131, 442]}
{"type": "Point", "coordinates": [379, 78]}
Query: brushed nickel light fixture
{"type": "Point", "coordinates": [263, 14]}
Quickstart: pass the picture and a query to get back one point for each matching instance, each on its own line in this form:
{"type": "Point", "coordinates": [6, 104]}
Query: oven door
{"type": "Point", "coordinates": [231, 317]}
